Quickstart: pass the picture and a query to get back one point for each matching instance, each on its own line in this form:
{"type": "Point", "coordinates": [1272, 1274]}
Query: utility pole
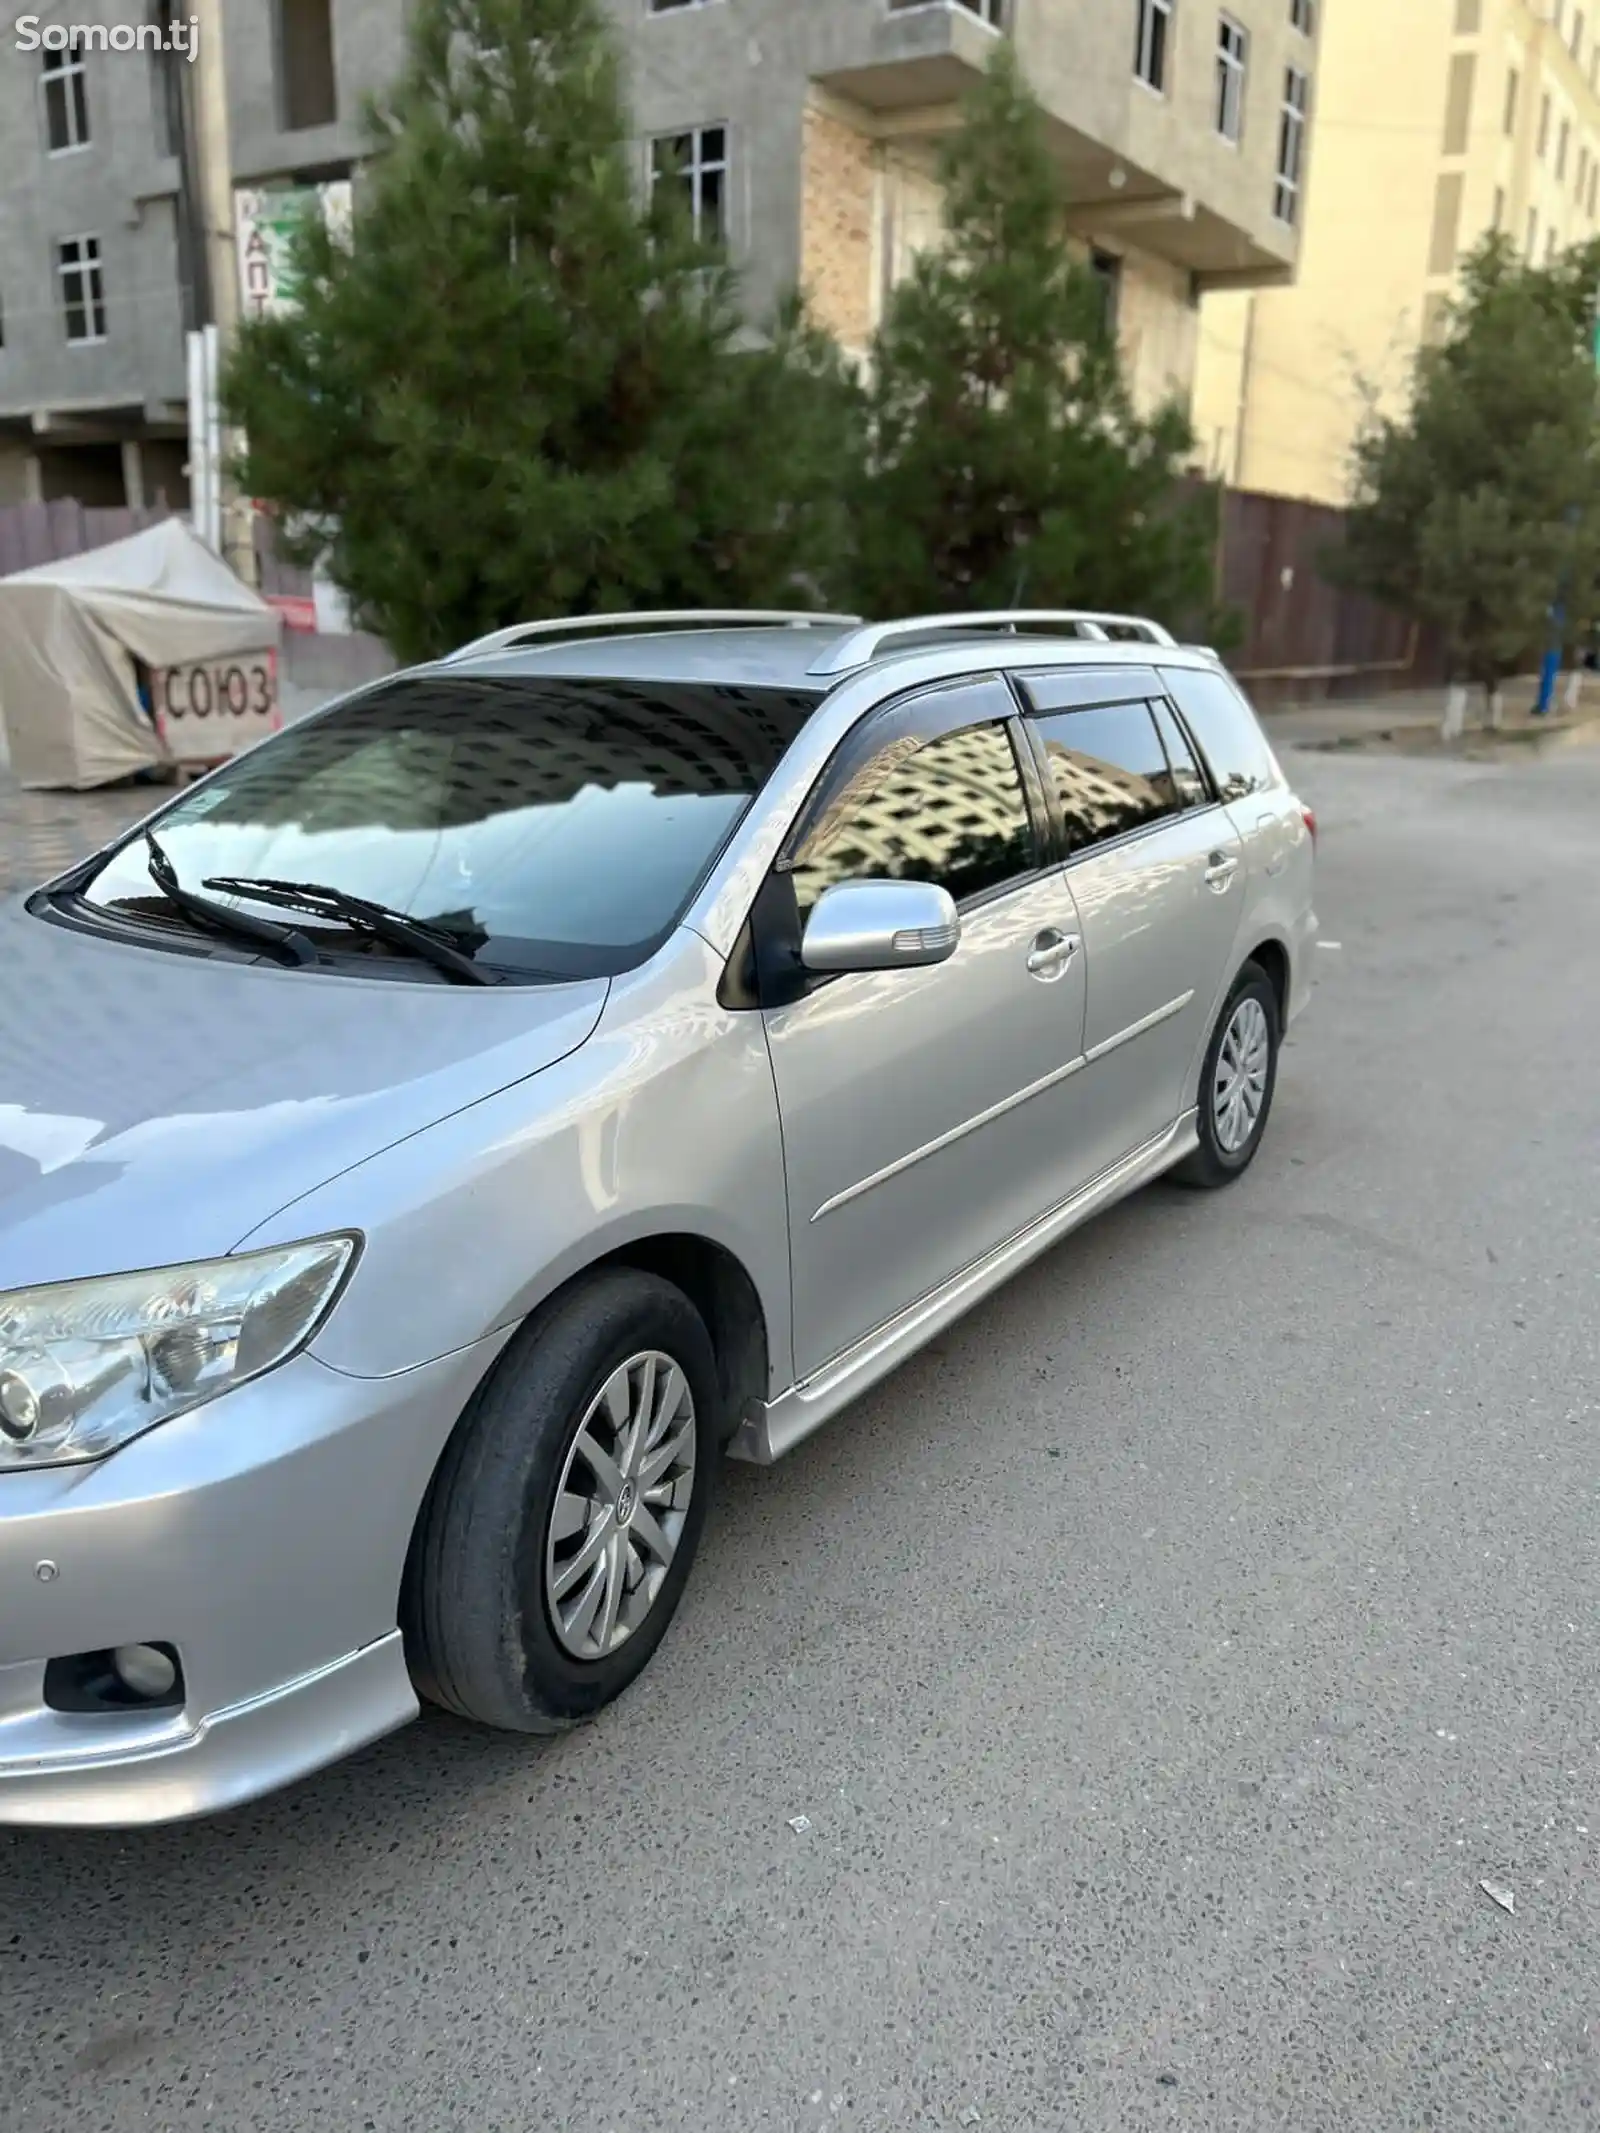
{"type": "Point", "coordinates": [214, 185]}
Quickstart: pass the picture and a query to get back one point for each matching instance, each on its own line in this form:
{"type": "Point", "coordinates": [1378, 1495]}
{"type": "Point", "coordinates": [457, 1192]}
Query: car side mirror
{"type": "Point", "coordinates": [880, 925]}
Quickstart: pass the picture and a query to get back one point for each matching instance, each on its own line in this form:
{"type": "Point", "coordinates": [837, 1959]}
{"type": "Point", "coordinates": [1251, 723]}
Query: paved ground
{"type": "Point", "coordinates": [41, 833]}
{"type": "Point", "coordinates": [1162, 1663]}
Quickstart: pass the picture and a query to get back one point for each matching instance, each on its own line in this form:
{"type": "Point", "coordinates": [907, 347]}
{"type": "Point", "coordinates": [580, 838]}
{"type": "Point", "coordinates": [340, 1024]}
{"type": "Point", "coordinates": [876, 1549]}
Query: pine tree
{"type": "Point", "coordinates": [1007, 464]}
{"type": "Point", "coordinates": [1480, 505]}
{"type": "Point", "coordinates": [522, 391]}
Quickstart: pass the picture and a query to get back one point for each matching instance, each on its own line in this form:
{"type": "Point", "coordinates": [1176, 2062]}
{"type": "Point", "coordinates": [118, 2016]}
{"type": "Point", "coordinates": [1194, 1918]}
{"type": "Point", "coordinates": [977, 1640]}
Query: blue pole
{"type": "Point", "coordinates": [1550, 672]}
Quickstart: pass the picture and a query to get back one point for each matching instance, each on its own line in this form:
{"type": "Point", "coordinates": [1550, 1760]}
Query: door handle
{"type": "Point", "coordinates": [1051, 953]}
{"type": "Point", "coordinates": [1220, 872]}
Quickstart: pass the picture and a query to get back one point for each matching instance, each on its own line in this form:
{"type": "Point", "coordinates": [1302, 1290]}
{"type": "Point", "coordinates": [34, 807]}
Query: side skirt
{"type": "Point", "coordinates": [777, 1426]}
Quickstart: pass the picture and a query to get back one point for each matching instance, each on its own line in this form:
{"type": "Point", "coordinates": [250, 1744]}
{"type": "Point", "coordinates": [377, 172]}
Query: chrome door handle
{"type": "Point", "coordinates": [1221, 871]}
{"type": "Point", "coordinates": [1051, 953]}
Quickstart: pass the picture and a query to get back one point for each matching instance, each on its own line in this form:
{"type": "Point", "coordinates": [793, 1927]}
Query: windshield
{"type": "Point", "coordinates": [547, 828]}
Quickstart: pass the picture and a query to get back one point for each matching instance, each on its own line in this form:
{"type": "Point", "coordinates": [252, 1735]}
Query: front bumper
{"type": "Point", "coordinates": [264, 1537]}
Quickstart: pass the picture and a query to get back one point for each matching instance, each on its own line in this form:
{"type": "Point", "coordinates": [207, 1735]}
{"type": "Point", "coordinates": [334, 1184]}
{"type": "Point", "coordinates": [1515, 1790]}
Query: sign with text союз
{"type": "Point", "coordinates": [264, 222]}
{"type": "Point", "coordinates": [213, 708]}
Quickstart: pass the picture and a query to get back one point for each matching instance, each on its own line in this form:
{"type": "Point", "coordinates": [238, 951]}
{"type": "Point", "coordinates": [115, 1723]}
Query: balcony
{"type": "Point", "coordinates": [1136, 167]}
{"type": "Point", "coordinates": [913, 54]}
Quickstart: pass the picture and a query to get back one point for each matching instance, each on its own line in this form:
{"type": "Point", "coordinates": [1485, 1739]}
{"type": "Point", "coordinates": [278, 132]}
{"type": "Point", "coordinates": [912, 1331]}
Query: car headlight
{"type": "Point", "coordinates": [87, 1365]}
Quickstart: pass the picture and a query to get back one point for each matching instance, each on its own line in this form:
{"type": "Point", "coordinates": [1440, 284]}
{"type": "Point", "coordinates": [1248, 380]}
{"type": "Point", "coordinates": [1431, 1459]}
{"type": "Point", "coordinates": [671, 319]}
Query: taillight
{"type": "Point", "coordinates": [1310, 821]}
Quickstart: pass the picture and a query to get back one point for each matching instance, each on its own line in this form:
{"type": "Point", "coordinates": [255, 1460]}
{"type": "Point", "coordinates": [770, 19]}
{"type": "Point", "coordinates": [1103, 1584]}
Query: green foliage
{"type": "Point", "coordinates": [1482, 501]}
{"type": "Point", "coordinates": [521, 393]}
{"type": "Point", "coordinates": [1006, 462]}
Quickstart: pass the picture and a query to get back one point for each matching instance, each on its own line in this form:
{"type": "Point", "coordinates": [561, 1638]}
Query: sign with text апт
{"type": "Point", "coordinates": [264, 222]}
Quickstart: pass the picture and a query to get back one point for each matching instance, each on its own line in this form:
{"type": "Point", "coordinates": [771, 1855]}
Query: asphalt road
{"type": "Point", "coordinates": [1161, 1662]}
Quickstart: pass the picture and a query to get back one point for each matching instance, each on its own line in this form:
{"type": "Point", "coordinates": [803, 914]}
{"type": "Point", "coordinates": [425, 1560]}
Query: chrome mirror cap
{"type": "Point", "coordinates": [880, 925]}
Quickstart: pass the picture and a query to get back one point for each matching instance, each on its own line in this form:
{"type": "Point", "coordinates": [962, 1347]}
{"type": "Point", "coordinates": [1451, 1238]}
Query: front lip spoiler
{"type": "Point", "coordinates": [228, 1758]}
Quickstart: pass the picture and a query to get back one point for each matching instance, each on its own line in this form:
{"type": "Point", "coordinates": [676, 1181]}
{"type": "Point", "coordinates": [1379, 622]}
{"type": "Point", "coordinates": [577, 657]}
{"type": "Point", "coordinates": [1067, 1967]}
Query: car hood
{"type": "Point", "coordinates": [156, 1107]}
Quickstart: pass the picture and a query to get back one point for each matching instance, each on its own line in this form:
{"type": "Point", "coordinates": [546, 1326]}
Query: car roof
{"type": "Point", "coordinates": [784, 656]}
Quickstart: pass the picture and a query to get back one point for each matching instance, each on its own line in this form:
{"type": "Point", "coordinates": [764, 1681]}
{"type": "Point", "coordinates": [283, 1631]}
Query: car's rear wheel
{"type": "Point", "coordinates": [1236, 1084]}
{"type": "Point", "coordinates": [561, 1527]}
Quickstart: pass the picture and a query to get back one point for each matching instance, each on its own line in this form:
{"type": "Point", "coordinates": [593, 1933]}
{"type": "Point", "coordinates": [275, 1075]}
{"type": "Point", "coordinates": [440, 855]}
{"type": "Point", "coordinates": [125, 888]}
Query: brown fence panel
{"type": "Point", "coordinates": [1303, 636]}
{"type": "Point", "coordinates": [31, 534]}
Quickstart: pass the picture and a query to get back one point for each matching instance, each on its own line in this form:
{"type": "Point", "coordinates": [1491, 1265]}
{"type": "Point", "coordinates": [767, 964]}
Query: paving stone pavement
{"type": "Point", "coordinates": [42, 833]}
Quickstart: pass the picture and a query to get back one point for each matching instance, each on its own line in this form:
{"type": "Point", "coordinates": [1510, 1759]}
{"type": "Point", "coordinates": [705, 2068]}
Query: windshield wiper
{"type": "Point", "coordinates": [394, 928]}
{"type": "Point", "coordinates": [285, 941]}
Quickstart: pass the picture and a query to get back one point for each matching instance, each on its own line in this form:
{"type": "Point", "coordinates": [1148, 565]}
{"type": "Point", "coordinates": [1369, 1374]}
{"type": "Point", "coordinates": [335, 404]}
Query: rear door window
{"type": "Point", "coordinates": [1225, 727]}
{"type": "Point", "coordinates": [1110, 771]}
{"type": "Point", "coordinates": [1188, 778]}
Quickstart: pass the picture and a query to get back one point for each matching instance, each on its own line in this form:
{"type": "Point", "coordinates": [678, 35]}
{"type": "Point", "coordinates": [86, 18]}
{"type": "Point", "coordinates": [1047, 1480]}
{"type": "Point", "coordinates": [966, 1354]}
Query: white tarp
{"type": "Point", "coordinates": [71, 632]}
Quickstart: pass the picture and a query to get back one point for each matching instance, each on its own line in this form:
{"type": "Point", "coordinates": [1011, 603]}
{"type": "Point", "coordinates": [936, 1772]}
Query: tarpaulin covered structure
{"type": "Point", "coordinates": [76, 637]}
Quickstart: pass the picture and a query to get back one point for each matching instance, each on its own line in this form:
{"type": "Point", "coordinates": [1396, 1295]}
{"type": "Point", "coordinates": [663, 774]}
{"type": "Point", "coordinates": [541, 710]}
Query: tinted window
{"type": "Point", "coordinates": [1188, 778]}
{"type": "Point", "coordinates": [952, 812]}
{"type": "Point", "coordinates": [554, 827]}
{"type": "Point", "coordinates": [1224, 725]}
{"type": "Point", "coordinates": [1110, 771]}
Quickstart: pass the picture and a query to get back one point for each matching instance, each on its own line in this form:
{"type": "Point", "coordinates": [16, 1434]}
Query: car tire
{"type": "Point", "coordinates": [491, 1633]}
{"type": "Point", "coordinates": [1240, 1071]}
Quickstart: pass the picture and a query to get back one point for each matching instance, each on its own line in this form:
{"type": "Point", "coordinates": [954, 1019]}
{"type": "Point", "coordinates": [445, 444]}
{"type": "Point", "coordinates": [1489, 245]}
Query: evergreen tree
{"type": "Point", "coordinates": [522, 391]}
{"type": "Point", "coordinates": [1480, 505]}
{"type": "Point", "coordinates": [1007, 464]}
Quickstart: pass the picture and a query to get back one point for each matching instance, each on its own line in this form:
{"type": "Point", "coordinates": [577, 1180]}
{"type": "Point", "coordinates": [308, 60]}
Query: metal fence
{"type": "Point", "coordinates": [1304, 637]}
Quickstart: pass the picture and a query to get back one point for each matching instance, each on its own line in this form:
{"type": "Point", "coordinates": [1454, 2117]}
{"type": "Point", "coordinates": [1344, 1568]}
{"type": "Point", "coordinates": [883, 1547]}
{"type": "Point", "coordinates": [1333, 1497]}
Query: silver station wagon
{"type": "Point", "coordinates": [430, 1142]}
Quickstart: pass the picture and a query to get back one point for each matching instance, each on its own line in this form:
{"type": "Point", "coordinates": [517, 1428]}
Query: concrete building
{"type": "Point", "coordinates": [1437, 120]}
{"type": "Point", "coordinates": [806, 131]}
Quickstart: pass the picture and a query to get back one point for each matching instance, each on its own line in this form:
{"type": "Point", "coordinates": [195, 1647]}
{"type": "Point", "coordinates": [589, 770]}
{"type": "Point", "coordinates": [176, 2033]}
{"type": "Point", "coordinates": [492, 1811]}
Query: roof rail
{"type": "Point", "coordinates": [666, 618]}
{"type": "Point", "coordinates": [862, 646]}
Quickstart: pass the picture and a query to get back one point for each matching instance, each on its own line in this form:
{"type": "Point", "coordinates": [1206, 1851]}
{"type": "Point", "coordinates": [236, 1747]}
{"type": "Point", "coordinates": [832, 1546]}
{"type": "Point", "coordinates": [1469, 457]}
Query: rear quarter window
{"type": "Point", "coordinates": [1225, 728]}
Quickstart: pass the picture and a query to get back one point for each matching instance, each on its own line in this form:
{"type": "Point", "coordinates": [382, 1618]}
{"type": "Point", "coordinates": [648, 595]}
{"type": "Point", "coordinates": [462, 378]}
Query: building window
{"type": "Point", "coordinates": [308, 93]}
{"type": "Point", "coordinates": [1577, 35]}
{"type": "Point", "coordinates": [1583, 171]}
{"type": "Point", "coordinates": [1544, 127]}
{"type": "Point", "coordinates": [1499, 222]}
{"type": "Point", "coordinates": [1469, 17]}
{"type": "Point", "coordinates": [166, 95]}
{"type": "Point", "coordinates": [1303, 16]}
{"type": "Point", "coordinates": [1562, 145]}
{"type": "Point", "coordinates": [993, 12]}
{"type": "Point", "coordinates": [1233, 56]}
{"type": "Point", "coordinates": [1594, 188]}
{"type": "Point", "coordinates": [1458, 104]}
{"type": "Point", "coordinates": [83, 293]}
{"type": "Point", "coordinates": [1291, 145]}
{"type": "Point", "coordinates": [1533, 231]}
{"type": "Point", "coordinates": [1106, 268]}
{"type": "Point", "coordinates": [695, 166]}
{"type": "Point", "coordinates": [66, 101]}
{"type": "Point", "coordinates": [1549, 246]}
{"type": "Point", "coordinates": [1152, 42]}
{"type": "Point", "coordinates": [1513, 85]}
{"type": "Point", "coordinates": [1446, 239]}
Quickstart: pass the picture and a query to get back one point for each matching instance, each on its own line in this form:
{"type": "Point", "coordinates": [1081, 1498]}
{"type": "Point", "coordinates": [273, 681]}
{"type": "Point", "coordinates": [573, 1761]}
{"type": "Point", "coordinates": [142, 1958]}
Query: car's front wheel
{"type": "Point", "coordinates": [1236, 1083]}
{"type": "Point", "coordinates": [560, 1529]}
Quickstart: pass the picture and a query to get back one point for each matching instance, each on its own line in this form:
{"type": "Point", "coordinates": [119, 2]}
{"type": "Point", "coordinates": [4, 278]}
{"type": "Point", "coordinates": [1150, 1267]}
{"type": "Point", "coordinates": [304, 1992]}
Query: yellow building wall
{"type": "Point", "coordinates": [1418, 148]}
